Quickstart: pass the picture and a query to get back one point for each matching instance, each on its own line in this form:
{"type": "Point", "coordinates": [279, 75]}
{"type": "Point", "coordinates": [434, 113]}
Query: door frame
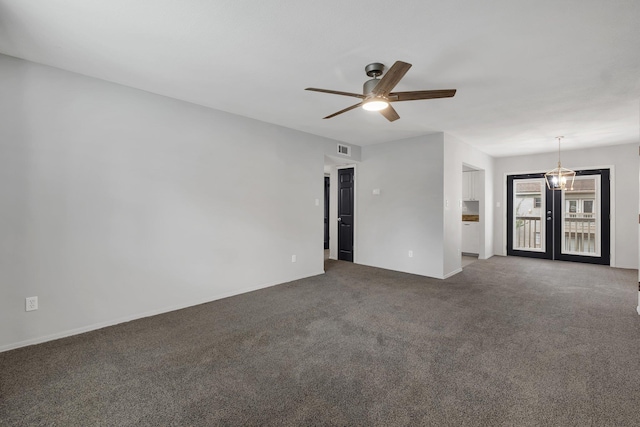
{"type": "Point", "coordinates": [483, 209]}
{"type": "Point", "coordinates": [612, 208]}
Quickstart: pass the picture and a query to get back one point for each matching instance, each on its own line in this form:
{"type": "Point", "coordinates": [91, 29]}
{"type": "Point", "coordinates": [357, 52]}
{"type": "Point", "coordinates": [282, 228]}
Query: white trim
{"type": "Point", "coordinates": [453, 273]}
{"type": "Point", "coordinates": [129, 318]}
{"type": "Point", "coordinates": [612, 214]}
{"type": "Point", "coordinates": [504, 213]}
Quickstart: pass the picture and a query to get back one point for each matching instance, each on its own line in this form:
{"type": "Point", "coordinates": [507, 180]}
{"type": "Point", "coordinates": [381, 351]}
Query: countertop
{"type": "Point", "coordinates": [472, 218]}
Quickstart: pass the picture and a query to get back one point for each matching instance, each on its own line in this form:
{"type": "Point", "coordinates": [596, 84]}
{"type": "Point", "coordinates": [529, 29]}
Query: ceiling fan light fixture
{"type": "Point", "coordinates": [377, 93]}
{"type": "Point", "coordinates": [375, 104]}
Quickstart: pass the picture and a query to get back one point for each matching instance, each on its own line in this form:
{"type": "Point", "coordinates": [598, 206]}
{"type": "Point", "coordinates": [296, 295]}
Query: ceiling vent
{"type": "Point", "coordinates": [345, 150]}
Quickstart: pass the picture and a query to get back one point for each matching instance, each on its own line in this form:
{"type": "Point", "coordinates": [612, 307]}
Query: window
{"type": "Point", "coordinates": [587, 206]}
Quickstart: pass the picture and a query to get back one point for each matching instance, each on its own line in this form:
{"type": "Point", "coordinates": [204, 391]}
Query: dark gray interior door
{"type": "Point", "coordinates": [326, 212]}
{"type": "Point", "coordinates": [345, 214]}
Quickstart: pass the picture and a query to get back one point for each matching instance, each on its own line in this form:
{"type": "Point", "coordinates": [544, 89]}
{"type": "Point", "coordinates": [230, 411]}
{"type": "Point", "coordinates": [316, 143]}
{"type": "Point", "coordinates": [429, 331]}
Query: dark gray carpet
{"type": "Point", "coordinates": [510, 341]}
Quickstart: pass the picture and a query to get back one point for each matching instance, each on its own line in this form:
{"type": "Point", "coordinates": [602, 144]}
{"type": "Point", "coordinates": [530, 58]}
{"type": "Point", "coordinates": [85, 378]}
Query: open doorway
{"type": "Point", "coordinates": [339, 210]}
{"type": "Point", "coordinates": [472, 214]}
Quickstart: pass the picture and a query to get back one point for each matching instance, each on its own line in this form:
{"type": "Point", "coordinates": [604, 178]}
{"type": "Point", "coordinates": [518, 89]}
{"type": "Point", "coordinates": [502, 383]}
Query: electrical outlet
{"type": "Point", "coordinates": [293, 258]}
{"type": "Point", "coordinates": [31, 303]}
{"type": "Point", "coordinates": [410, 254]}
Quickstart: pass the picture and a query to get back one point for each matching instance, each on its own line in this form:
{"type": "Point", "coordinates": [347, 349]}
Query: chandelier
{"type": "Point", "coordinates": [560, 178]}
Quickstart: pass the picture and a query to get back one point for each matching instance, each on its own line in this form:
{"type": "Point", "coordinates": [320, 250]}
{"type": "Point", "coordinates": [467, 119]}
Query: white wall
{"type": "Point", "coordinates": [116, 203]}
{"type": "Point", "coordinates": [456, 153]}
{"type": "Point", "coordinates": [624, 192]}
{"type": "Point", "coordinates": [407, 215]}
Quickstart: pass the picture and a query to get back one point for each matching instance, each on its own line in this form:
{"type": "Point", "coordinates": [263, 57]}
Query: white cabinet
{"type": "Point", "coordinates": [470, 185]}
{"type": "Point", "coordinates": [470, 237]}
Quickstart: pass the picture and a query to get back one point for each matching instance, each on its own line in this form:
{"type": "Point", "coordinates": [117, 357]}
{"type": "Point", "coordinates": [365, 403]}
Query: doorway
{"type": "Point", "coordinates": [569, 225]}
{"type": "Point", "coordinates": [472, 219]}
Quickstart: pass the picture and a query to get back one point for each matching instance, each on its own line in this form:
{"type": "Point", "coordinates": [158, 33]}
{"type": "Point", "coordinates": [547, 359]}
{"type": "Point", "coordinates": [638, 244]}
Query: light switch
{"type": "Point", "coordinates": [376, 191]}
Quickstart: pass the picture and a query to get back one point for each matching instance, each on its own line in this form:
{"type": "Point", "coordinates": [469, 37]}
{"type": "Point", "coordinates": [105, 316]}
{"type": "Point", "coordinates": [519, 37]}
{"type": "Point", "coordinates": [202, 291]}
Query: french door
{"type": "Point", "coordinates": [568, 225]}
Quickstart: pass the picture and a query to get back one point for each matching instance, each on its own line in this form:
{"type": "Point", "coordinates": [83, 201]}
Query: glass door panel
{"type": "Point", "coordinates": [581, 217]}
{"type": "Point", "coordinates": [529, 220]}
{"type": "Point", "coordinates": [529, 215]}
{"type": "Point", "coordinates": [583, 230]}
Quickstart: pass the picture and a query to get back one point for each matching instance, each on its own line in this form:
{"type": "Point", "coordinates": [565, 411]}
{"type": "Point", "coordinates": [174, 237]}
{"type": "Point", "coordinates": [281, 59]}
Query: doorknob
{"type": "Point", "coordinates": [339, 219]}
{"type": "Point", "coordinates": [548, 212]}
{"type": "Point", "coordinates": [548, 218]}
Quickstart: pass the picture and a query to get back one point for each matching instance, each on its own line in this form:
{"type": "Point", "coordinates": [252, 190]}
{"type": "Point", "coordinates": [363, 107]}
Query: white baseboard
{"type": "Point", "coordinates": [453, 273]}
{"type": "Point", "coordinates": [100, 325]}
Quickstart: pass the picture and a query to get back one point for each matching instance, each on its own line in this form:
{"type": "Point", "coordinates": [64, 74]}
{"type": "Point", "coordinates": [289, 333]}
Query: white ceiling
{"type": "Point", "coordinates": [525, 71]}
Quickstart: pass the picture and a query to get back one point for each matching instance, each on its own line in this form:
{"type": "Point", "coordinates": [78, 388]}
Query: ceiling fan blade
{"type": "Point", "coordinates": [335, 92]}
{"type": "Point", "coordinates": [421, 94]}
{"type": "Point", "coordinates": [390, 113]}
{"type": "Point", "coordinates": [391, 78]}
{"type": "Point", "coordinates": [345, 110]}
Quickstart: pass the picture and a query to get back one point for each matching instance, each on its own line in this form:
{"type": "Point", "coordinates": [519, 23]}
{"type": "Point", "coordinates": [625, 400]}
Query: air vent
{"type": "Point", "coordinates": [345, 150]}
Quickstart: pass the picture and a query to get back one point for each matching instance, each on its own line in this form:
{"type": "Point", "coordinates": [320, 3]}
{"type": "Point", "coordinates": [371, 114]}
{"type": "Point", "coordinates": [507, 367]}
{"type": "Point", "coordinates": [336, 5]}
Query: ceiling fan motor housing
{"type": "Point", "coordinates": [373, 70]}
{"type": "Point", "coordinates": [369, 85]}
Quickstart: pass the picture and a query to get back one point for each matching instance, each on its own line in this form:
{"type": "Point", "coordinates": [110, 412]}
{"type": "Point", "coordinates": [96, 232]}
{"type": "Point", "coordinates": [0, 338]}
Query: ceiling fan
{"type": "Point", "coordinates": [377, 95]}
